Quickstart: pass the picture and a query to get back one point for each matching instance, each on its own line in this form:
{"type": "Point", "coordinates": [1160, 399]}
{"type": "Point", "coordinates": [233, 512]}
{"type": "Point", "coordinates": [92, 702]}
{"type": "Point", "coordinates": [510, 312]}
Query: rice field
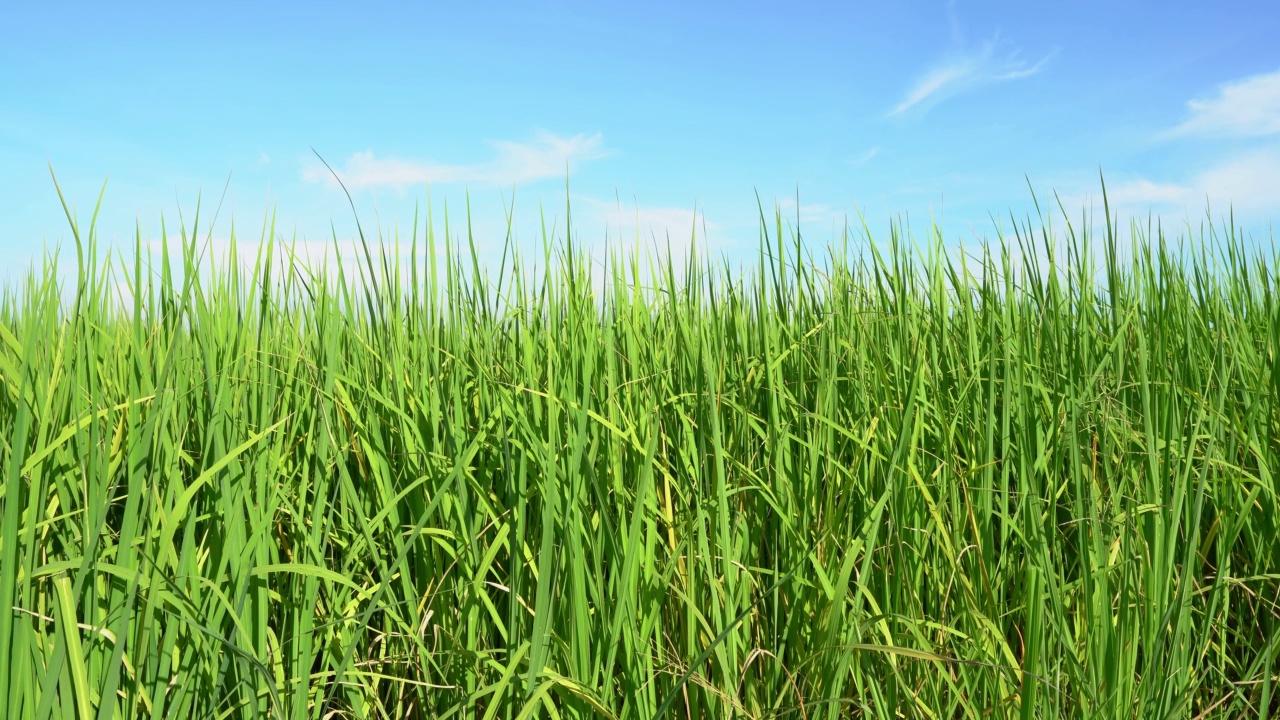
{"type": "Point", "coordinates": [1030, 479]}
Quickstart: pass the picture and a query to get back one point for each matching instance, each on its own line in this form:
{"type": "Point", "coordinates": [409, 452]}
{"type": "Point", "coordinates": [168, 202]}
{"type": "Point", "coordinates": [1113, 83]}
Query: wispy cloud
{"type": "Point", "coordinates": [548, 156]}
{"type": "Point", "coordinates": [865, 157]}
{"type": "Point", "coordinates": [215, 250]}
{"type": "Point", "coordinates": [1246, 183]}
{"type": "Point", "coordinates": [604, 227]}
{"type": "Point", "coordinates": [1144, 192]}
{"type": "Point", "coordinates": [650, 221]}
{"type": "Point", "coordinates": [809, 212]}
{"type": "Point", "coordinates": [964, 72]}
{"type": "Point", "coordinates": [1243, 108]}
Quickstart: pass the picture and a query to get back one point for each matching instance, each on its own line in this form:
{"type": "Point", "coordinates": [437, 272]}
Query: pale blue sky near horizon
{"type": "Point", "coordinates": [926, 109]}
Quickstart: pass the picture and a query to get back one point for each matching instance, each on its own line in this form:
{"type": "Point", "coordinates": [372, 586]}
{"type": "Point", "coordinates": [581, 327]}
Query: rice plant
{"type": "Point", "coordinates": [1034, 479]}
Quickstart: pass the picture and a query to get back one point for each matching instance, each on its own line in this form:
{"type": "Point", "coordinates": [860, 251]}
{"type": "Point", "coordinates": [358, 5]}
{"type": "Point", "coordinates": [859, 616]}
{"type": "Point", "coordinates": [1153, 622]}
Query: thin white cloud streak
{"type": "Point", "coordinates": [548, 156]}
{"type": "Point", "coordinates": [965, 72]}
{"type": "Point", "coordinates": [809, 212]}
{"type": "Point", "coordinates": [866, 157]}
{"type": "Point", "coordinates": [1241, 109]}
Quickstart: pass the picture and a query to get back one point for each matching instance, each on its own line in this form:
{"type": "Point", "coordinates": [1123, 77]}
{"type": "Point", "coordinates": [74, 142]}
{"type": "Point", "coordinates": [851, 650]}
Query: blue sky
{"type": "Point", "coordinates": [928, 109]}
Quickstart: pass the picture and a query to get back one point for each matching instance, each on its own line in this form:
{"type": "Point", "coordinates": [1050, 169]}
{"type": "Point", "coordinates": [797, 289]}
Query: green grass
{"type": "Point", "coordinates": [1036, 481]}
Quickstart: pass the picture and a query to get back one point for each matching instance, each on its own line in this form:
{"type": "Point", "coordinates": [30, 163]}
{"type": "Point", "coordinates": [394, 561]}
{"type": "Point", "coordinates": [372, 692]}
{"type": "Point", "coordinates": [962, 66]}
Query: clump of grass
{"type": "Point", "coordinates": [903, 482]}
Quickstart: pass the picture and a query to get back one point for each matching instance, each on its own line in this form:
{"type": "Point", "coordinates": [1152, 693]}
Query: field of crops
{"type": "Point", "coordinates": [1034, 479]}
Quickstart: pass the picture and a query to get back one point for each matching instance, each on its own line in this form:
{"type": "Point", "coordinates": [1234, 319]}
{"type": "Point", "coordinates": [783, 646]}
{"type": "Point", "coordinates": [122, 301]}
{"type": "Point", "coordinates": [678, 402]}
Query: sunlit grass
{"type": "Point", "coordinates": [901, 481]}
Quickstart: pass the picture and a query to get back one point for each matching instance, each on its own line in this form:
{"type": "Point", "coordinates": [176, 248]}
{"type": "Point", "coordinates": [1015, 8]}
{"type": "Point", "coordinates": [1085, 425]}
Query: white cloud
{"type": "Point", "coordinates": [809, 212]}
{"type": "Point", "coordinates": [865, 157]}
{"type": "Point", "coordinates": [1145, 192]}
{"type": "Point", "coordinates": [1246, 183]}
{"type": "Point", "coordinates": [305, 259]}
{"type": "Point", "coordinates": [652, 222]}
{"type": "Point", "coordinates": [608, 226]}
{"type": "Point", "coordinates": [1244, 108]}
{"type": "Point", "coordinates": [548, 156]}
{"type": "Point", "coordinates": [966, 71]}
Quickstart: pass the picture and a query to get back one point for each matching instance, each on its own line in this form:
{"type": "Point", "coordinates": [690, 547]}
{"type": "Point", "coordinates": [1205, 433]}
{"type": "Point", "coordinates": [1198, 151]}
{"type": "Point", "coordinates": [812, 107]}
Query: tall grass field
{"type": "Point", "coordinates": [1034, 478]}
